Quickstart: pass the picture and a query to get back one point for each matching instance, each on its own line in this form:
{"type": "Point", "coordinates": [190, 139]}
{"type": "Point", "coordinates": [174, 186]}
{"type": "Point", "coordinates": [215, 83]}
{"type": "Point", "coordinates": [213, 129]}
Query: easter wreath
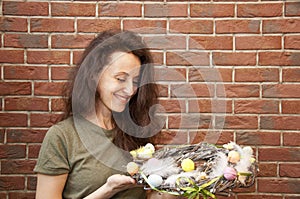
{"type": "Point", "coordinates": [194, 171]}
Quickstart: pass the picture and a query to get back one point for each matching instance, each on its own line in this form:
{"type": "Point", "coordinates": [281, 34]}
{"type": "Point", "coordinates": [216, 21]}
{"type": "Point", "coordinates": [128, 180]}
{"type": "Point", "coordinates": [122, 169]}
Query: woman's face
{"type": "Point", "coordinates": [118, 82]}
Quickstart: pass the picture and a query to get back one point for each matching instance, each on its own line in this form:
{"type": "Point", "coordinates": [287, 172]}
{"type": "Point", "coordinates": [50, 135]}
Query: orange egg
{"type": "Point", "coordinates": [132, 168]}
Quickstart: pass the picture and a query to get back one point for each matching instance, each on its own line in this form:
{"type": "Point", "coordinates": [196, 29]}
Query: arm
{"type": "Point", "coordinates": [113, 185]}
{"type": "Point", "coordinates": [50, 186]}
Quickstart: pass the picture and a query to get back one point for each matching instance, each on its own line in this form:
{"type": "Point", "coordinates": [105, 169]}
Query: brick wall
{"type": "Point", "coordinates": [233, 67]}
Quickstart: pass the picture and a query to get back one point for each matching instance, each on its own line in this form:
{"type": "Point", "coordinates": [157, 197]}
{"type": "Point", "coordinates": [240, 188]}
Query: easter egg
{"type": "Point", "coordinates": [155, 180]}
{"type": "Point", "coordinates": [230, 173]}
{"type": "Point", "coordinates": [132, 168]}
{"type": "Point", "coordinates": [233, 157]}
{"type": "Point", "coordinates": [187, 165]}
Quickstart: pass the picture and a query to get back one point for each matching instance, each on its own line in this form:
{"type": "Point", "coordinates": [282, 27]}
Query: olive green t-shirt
{"type": "Point", "coordinates": [84, 151]}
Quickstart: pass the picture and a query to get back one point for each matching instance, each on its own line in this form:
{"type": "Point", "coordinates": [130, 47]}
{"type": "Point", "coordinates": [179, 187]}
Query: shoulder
{"type": "Point", "coordinates": [62, 128]}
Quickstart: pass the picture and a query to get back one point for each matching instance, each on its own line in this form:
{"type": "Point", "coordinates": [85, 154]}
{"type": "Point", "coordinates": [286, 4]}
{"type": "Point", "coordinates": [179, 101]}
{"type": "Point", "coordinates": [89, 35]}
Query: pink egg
{"type": "Point", "coordinates": [230, 173]}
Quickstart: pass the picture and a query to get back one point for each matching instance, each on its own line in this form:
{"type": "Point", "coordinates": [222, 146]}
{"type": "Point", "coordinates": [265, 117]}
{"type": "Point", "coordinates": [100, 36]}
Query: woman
{"type": "Point", "coordinates": [108, 115]}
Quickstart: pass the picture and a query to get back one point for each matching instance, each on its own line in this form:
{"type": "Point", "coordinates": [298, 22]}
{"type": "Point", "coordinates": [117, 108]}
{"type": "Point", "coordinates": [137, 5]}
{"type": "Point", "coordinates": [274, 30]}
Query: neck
{"type": "Point", "coordinates": [102, 117]}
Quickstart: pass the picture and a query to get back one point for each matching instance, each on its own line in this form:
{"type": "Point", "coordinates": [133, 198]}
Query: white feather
{"type": "Point", "coordinates": [171, 180]}
{"type": "Point", "coordinates": [244, 164]}
{"type": "Point", "coordinates": [163, 167]}
{"type": "Point", "coordinates": [220, 165]}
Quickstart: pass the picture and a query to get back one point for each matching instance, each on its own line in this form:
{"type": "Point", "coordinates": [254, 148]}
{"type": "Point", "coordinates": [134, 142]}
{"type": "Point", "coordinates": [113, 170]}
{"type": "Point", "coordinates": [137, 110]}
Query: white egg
{"type": "Point", "coordinates": [155, 180]}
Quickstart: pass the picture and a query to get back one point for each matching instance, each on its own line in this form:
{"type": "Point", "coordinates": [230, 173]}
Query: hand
{"type": "Point", "coordinates": [120, 182]}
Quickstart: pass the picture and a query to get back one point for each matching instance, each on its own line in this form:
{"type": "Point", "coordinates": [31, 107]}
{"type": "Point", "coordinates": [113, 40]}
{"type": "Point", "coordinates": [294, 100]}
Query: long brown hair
{"type": "Point", "coordinates": [82, 88]}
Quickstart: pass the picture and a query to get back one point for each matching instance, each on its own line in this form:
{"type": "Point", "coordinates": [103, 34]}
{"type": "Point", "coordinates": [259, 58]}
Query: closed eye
{"type": "Point", "coordinates": [121, 79]}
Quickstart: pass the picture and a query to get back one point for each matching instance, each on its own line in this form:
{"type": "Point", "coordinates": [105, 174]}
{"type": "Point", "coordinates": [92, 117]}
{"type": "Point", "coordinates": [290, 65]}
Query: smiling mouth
{"type": "Point", "coordinates": [123, 99]}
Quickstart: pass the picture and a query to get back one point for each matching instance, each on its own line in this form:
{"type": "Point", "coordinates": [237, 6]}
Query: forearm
{"type": "Point", "coordinates": [104, 192]}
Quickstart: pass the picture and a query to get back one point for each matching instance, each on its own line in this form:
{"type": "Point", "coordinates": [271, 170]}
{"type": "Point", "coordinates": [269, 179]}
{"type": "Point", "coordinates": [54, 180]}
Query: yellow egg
{"type": "Point", "coordinates": [132, 168]}
{"type": "Point", "coordinates": [188, 165]}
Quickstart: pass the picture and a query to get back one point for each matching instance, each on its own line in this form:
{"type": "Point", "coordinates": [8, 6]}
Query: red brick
{"type": "Point", "coordinates": [292, 8]}
{"type": "Point", "coordinates": [49, 88]}
{"type": "Point", "coordinates": [15, 88]}
{"type": "Point", "coordinates": [171, 137]}
{"type": "Point", "coordinates": [173, 106]}
{"type": "Point", "coordinates": [279, 154]}
{"type": "Point", "coordinates": [25, 8]}
{"type": "Point", "coordinates": [191, 26]}
{"type": "Point", "coordinates": [3, 195]}
{"type": "Point", "coordinates": [2, 134]}
{"type": "Point", "coordinates": [211, 42]}
{"type": "Point", "coordinates": [212, 10]}
{"type": "Point", "coordinates": [71, 41]}
{"type": "Point", "coordinates": [256, 75]}
{"type": "Point", "coordinates": [51, 25]}
{"type": "Point", "coordinates": [258, 138]}
{"type": "Point", "coordinates": [212, 137]}
{"type": "Point", "coordinates": [292, 42]}
{"type": "Point", "coordinates": [187, 58]}
{"type": "Point", "coordinates": [33, 151]}
{"type": "Point", "coordinates": [165, 42]}
{"type": "Point", "coordinates": [237, 122]}
{"type": "Point", "coordinates": [289, 170]}
{"type": "Point", "coordinates": [189, 121]}
{"type": "Point", "coordinates": [166, 10]}
{"type": "Point", "coordinates": [171, 74]}
{"type": "Point", "coordinates": [31, 183]}
{"type": "Point", "coordinates": [291, 197]}
{"type": "Point", "coordinates": [57, 104]}
{"type": "Point", "coordinates": [97, 25]}
{"type": "Point", "coordinates": [281, 90]}
{"type": "Point", "coordinates": [210, 106]}
{"type": "Point", "coordinates": [278, 186]}
{"type": "Point", "coordinates": [77, 54]}
{"type": "Point", "coordinates": [8, 24]}
{"type": "Point", "coordinates": [259, 196]}
{"type": "Point", "coordinates": [73, 9]}
{"type": "Point", "coordinates": [290, 106]}
{"type": "Point", "coordinates": [158, 58]}
{"type": "Point", "coordinates": [26, 72]}
{"type": "Point", "coordinates": [162, 90]}
{"type": "Point", "coordinates": [61, 73]}
{"type": "Point", "coordinates": [234, 58]}
{"type": "Point", "coordinates": [267, 170]}
{"type": "Point", "coordinates": [12, 56]}
{"type": "Point", "coordinates": [17, 166]}
{"type": "Point", "coordinates": [210, 75]}
{"type": "Point", "coordinates": [145, 26]}
{"type": "Point", "coordinates": [280, 122]}
{"type": "Point", "coordinates": [281, 26]}
{"type": "Point", "coordinates": [25, 41]}
{"type": "Point", "coordinates": [259, 10]}
{"type": "Point", "coordinates": [44, 120]}
{"type": "Point", "coordinates": [279, 58]}
{"type": "Point", "coordinates": [120, 9]}
{"type": "Point", "coordinates": [237, 90]}
{"type": "Point", "coordinates": [237, 26]}
{"type": "Point", "coordinates": [13, 119]}
{"type": "Point", "coordinates": [291, 139]}
{"type": "Point", "coordinates": [256, 106]}
{"type": "Point", "coordinates": [12, 183]}
{"type": "Point", "coordinates": [48, 57]}
{"type": "Point", "coordinates": [25, 135]}
{"type": "Point", "coordinates": [25, 104]}
{"type": "Point", "coordinates": [12, 151]}
{"type": "Point", "coordinates": [192, 90]}
{"type": "Point", "coordinates": [23, 195]}
{"type": "Point", "coordinates": [257, 42]}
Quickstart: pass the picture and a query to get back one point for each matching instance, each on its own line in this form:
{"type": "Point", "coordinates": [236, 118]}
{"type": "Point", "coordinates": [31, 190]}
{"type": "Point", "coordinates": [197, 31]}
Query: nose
{"type": "Point", "coordinates": [129, 88]}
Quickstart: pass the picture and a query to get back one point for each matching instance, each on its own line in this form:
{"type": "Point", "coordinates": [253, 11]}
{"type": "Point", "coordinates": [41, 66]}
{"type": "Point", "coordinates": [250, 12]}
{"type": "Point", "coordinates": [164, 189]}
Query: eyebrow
{"type": "Point", "coordinates": [127, 74]}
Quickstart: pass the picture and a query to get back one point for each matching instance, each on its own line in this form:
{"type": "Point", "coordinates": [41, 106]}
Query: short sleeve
{"type": "Point", "coordinates": [53, 155]}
